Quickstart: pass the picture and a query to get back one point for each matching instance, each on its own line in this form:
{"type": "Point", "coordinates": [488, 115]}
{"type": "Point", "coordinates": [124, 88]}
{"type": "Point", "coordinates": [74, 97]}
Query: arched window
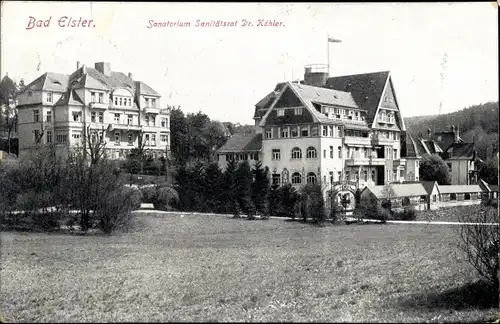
{"type": "Point", "coordinates": [296, 153]}
{"type": "Point", "coordinates": [284, 176]}
{"type": "Point", "coordinates": [311, 153]}
{"type": "Point", "coordinates": [296, 178]}
{"type": "Point", "coordinates": [311, 178]}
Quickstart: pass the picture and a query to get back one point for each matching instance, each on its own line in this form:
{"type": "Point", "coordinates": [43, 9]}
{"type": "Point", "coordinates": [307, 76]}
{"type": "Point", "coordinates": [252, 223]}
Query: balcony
{"type": "Point", "coordinates": [399, 162]}
{"type": "Point", "coordinates": [151, 110]}
{"type": "Point", "coordinates": [364, 161]}
{"type": "Point", "coordinates": [383, 141]}
{"type": "Point", "coordinates": [98, 105]}
{"type": "Point", "coordinates": [351, 140]}
{"type": "Point", "coordinates": [126, 127]}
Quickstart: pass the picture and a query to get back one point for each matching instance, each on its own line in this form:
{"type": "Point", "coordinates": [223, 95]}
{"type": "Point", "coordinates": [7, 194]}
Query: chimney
{"type": "Point", "coordinates": [130, 75]}
{"type": "Point", "coordinates": [77, 65]}
{"type": "Point", "coordinates": [429, 133]}
{"type": "Point", "coordinates": [103, 67]}
{"type": "Point", "coordinates": [456, 135]}
{"type": "Point", "coordinates": [316, 75]}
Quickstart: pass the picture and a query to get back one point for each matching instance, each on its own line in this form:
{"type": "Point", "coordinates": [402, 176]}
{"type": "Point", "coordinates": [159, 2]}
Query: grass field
{"type": "Point", "coordinates": [211, 268]}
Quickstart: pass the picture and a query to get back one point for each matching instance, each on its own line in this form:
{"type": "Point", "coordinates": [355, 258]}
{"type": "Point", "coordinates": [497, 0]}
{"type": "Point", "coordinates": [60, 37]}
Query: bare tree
{"type": "Point", "coordinates": [94, 144]}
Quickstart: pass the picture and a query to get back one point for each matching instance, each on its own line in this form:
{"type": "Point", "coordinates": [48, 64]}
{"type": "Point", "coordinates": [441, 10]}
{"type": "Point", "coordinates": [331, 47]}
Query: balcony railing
{"type": "Point", "coordinates": [124, 126]}
{"type": "Point", "coordinates": [357, 161]}
{"type": "Point", "coordinates": [151, 110]}
{"type": "Point", "coordinates": [357, 140]}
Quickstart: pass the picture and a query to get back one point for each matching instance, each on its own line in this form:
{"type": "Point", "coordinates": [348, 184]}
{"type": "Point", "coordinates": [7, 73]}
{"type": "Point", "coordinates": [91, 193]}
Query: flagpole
{"type": "Point", "coordinates": [328, 54]}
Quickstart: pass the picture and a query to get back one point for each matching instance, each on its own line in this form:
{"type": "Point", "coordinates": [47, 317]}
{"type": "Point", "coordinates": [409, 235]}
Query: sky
{"type": "Point", "coordinates": [438, 53]}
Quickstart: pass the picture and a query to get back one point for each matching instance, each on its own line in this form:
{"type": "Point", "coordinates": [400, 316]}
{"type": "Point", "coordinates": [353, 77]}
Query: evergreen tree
{"type": "Point", "coordinates": [244, 179]}
{"type": "Point", "coordinates": [214, 188]}
{"type": "Point", "coordinates": [290, 199]}
{"type": "Point", "coordinates": [260, 188]}
{"type": "Point", "coordinates": [229, 187]}
{"type": "Point", "coordinates": [274, 200]}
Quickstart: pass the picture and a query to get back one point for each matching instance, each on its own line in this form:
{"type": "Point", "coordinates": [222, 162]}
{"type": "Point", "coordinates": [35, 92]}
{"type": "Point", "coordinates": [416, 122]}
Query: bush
{"type": "Point", "coordinates": [113, 212]}
{"type": "Point", "coordinates": [480, 243]}
{"type": "Point", "coordinates": [408, 213]}
{"type": "Point", "coordinates": [162, 198]}
{"type": "Point", "coordinates": [370, 209]}
{"type": "Point", "coordinates": [312, 203]}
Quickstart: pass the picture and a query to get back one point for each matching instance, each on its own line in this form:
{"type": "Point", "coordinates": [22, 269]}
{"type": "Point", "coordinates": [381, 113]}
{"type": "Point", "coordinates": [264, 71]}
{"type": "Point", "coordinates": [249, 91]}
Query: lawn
{"type": "Point", "coordinates": [211, 268]}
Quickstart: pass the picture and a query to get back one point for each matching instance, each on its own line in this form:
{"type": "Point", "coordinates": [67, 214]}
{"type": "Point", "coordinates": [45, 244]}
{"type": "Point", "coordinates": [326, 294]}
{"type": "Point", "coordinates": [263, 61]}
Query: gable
{"type": "Point", "coordinates": [388, 98]}
{"type": "Point", "coordinates": [288, 99]}
{"type": "Point", "coordinates": [289, 117]}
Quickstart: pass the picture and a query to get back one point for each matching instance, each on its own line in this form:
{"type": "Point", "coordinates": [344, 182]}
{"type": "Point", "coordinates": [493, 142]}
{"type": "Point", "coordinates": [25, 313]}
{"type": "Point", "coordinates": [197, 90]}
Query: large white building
{"type": "Point", "coordinates": [326, 130]}
{"type": "Point", "coordinates": [92, 101]}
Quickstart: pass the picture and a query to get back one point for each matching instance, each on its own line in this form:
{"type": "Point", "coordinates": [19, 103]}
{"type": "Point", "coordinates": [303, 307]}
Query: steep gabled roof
{"type": "Point", "coordinates": [70, 98]}
{"type": "Point", "coordinates": [144, 89]}
{"type": "Point", "coordinates": [324, 95]}
{"type": "Point", "coordinates": [429, 186]}
{"type": "Point", "coordinates": [366, 89]}
{"type": "Point", "coordinates": [460, 151]}
{"type": "Point", "coordinates": [413, 150]}
{"type": "Point", "coordinates": [242, 143]}
{"type": "Point", "coordinates": [430, 146]}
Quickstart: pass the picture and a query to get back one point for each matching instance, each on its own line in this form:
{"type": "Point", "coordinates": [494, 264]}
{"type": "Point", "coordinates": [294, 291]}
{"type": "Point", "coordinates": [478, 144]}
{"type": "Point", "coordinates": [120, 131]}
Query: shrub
{"type": "Point", "coordinates": [480, 243]}
{"type": "Point", "coordinates": [166, 197]}
{"type": "Point", "coordinates": [408, 213]}
{"type": "Point", "coordinates": [313, 204]}
{"type": "Point", "coordinates": [113, 212]}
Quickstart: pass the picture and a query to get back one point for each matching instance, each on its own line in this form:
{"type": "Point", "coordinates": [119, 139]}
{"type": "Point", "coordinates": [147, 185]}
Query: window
{"type": "Point", "coordinates": [117, 118]}
{"type": "Point", "coordinates": [449, 167]}
{"type": "Point", "coordinates": [130, 138]}
{"type": "Point", "coordinates": [311, 153]}
{"type": "Point", "coordinates": [130, 102]}
{"type": "Point", "coordinates": [93, 96]}
{"type": "Point", "coordinates": [365, 175]}
{"type": "Point", "coordinates": [324, 154]}
{"type": "Point", "coordinates": [401, 173]}
{"type": "Point", "coordinates": [406, 201]}
{"type": "Point", "coordinates": [296, 153]}
{"type": "Point", "coordinates": [101, 117]}
{"type": "Point", "coordinates": [314, 131]}
{"type": "Point", "coordinates": [339, 175]}
{"type": "Point", "coordinates": [276, 154]}
{"type": "Point", "coordinates": [49, 136]}
{"type": "Point", "coordinates": [331, 152]}
{"type": "Point", "coordinates": [146, 120]}
{"type": "Point", "coordinates": [93, 116]}
{"type": "Point", "coordinates": [61, 138]}
{"type": "Point", "coordinates": [120, 100]}
{"type": "Point", "coordinates": [416, 163]}
{"type": "Point", "coordinates": [117, 138]}
{"type": "Point", "coordinates": [280, 112]}
{"type": "Point", "coordinates": [373, 175]}
{"type": "Point", "coordinates": [311, 178]}
{"type": "Point", "coordinates": [153, 139]}
{"type": "Point", "coordinates": [116, 101]}
{"type": "Point", "coordinates": [129, 119]}
{"type": "Point", "coordinates": [294, 132]}
{"type": "Point", "coordinates": [325, 130]}
{"type": "Point", "coordinates": [76, 136]}
{"type": "Point", "coordinates": [163, 122]}
{"type": "Point", "coordinates": [163, 138]}
{"type": "Point", "coordinates": [347, 175]}
{"type": "Point", "coordinates": [339, 131]}
{"type": "Point", "coordinates": [305, 131]}
{"type": "Point", "coordinates": [36, 116]}
{"type": "Point", "coordinates": [146, 137]}
{"type": "Point", "coordinates": [147, 102]}
{"type": "Point", "coordinates": [276, 179]}
{"type": "Point", "coordinates": [434, 198]}
{"type": "Point", "coordinates": [284, 132]}
{"type": "Point", "coordinates": [395, 152]}
{"type": "Point", "coordinates": [153, 103]}
{"type": "Point", "coordinates": [49, 97]}
{"type": "Point", "coordinates": [269, 133]}
{"type": "Point", "coordinates": [467, 196]}
{"type": "Point", "coordinates": [49, 116]}
{"type": "Point", "coordinates": [296, 178]}
{"type": "Point", "coordinates": [394, 175]}
{"type": "Point", "coordinates": [37, 135]}
{"type": "Point", "coordinates": [339, 151]}
{"type": "Point", "coordinates": [331, 130]}
{"type": "Point", "coordinates": [101, 97]}
{"type": "Point", "coordinates": [453, 196]}
{"type": "Point", "coordinates": [331, 176]}
{"type": "Point", "coordinates": [298, 111]}
{"type": "Point", "coordinates": [77, 116]}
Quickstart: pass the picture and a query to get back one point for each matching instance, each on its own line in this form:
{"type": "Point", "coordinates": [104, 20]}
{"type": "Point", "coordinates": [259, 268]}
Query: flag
{"type": "Point", "coordinates": [333, 40]}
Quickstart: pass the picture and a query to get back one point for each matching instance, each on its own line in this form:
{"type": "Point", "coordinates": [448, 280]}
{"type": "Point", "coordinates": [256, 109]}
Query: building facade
{"type": "Point", "coordinates": [64, 109]}
{"type": "Point", "coordinates": [346, 129]}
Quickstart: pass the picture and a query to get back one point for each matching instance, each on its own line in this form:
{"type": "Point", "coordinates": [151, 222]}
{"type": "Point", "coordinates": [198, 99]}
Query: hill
{"type": "Point", "coordinates": [478, 123]}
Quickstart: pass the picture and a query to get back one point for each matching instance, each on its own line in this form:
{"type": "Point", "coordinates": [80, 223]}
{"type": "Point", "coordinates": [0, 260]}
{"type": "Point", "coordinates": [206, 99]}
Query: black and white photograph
{"type": "Point", "coordinates": [249, 162]}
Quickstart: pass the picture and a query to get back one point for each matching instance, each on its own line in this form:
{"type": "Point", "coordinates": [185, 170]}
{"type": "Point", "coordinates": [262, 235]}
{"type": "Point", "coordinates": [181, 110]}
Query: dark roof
{"type": "Point", "coordinates": [445, 139]}
{"type": "Point", "coordinates": [412, 148]}
{"type": "Point", "coordinates": [324, 95]}
{"type": "Point", "coordinates": [460, 151]}
{"type": "Point", "coordinates": [366, 89]}
{"type": "Point", "coordinates": [428, 186]}
{"type": "Point", "coordinates": [430, 146]}
{"type": "Point", "coordinates": [242, 143]}
{"type": "Point", "coordinates": [493, 187]}
{"type": "Point", "coordinates": [70, 98]}
{"type": "Point", "coordinates": [263, 105]}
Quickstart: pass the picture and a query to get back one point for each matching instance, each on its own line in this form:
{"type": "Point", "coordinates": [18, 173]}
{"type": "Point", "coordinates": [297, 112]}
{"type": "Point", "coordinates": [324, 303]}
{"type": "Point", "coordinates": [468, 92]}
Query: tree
{"type": "Point", "coordinates": [274, 200]}
{"type": "Point", "coordinates": [433, 168]}
{"type": "Point", "coordinates": [488, 170]}
{"type": "Point", "coordinates": [313, 204]}
{"type": "Point", "coordinates": [230, 187]}
{"type": "Point", "coordinates": [260, 188]}
{"type": "Point", "coordinates": [388, 196]}
{"type": "Point", "coordinates": [213, 189]}
{"type": "Point", "coordinates": [290, 200]}
{"type": "Point", "coordinates": [9, 92]}
{"type": "Point", "coordinates": [244, 179]}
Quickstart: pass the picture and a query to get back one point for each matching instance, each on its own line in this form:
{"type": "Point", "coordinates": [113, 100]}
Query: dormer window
{"type": "Point", "coordinates": [298, 111]}
{"type": "Point", "coordinates": [153, 103]}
